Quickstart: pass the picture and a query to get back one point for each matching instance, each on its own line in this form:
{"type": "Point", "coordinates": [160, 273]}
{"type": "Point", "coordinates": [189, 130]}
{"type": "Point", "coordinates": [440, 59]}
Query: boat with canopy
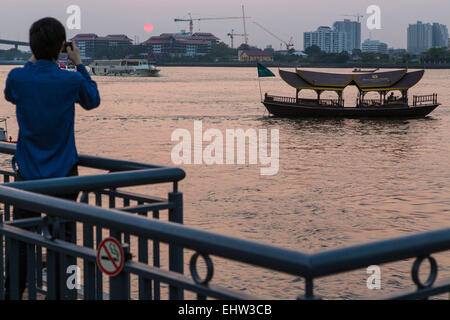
{"type": "Point", "coordinates": [383, 83]}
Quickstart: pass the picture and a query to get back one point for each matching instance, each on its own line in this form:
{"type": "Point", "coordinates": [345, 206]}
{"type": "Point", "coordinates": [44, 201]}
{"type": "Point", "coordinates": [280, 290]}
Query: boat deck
{"type": "Point", "coordinates": [294, 108]}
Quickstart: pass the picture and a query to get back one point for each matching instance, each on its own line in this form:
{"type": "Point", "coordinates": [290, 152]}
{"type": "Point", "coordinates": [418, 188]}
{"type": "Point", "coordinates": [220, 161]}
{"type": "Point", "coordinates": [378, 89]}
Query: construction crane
{"type": "Point", "coordinates": [357, 16]}
{"type": "Point", "coordinates": [232, 35]}
{"type": "Point", "coordinates": [287, 44]}
{"type": "Point", "coordinates": [245, 27]}
{"type": "Point", "coordinates": [191, 20]}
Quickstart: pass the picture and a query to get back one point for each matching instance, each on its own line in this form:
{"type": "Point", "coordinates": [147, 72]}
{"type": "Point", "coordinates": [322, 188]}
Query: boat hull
{"type": "Point", "coordinates": [137, 73]}
{"type": "Point", "coordinates": [287, 110]}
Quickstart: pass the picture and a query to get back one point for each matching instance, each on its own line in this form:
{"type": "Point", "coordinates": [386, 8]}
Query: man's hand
{"type": "Point", "coordinates": [74, 54]}
{"type": "Point", "coordinates": [32, 59]}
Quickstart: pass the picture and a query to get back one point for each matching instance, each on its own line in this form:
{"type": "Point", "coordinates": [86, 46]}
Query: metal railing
{"type": "Point", "coordinates": [307, 102]}
{"type": "Point", "coordinates": [97, 188]}
{"type": "Point", "coordinates": [132, 221]}
{"type": "Point", "coordinates": [281, 99]}
{"type": "Point", "coordinates": [381, 102]}
{"type": "Point", "coordinates": [331, 102]}
{"type": "Point", "coordinates": [425, 100]}
{"type": "Point", "coordinates": [370, 102]}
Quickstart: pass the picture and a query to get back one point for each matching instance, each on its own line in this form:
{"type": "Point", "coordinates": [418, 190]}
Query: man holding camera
{"type": "Point", "coordinates": [45, 98]}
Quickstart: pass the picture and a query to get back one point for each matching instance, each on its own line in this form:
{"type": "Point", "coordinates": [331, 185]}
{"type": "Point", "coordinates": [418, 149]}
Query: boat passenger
{"type": "Point", "coordinates": [392, 97]}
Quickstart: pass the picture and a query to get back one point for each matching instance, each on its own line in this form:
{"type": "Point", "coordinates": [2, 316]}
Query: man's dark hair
{"type": "Point", "coordinates": [46, 38]}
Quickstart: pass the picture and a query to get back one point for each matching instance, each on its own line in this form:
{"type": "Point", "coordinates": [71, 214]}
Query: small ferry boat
{"type": "Point", "coordinates": [123, 67]}
{"type": "Point", "coordinates": [383, 83]}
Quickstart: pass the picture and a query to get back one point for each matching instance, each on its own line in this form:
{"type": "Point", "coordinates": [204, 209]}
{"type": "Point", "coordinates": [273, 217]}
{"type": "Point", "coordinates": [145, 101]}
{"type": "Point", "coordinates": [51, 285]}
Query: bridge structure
{"type": "Point", "coordinates": [69, 233]}
{"type": "Point", "coordinates": [16, 44]}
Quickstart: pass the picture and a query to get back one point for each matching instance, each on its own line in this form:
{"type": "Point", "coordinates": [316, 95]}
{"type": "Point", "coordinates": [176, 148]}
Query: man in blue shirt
{"type": "Point", "coordinates": [45, 98]}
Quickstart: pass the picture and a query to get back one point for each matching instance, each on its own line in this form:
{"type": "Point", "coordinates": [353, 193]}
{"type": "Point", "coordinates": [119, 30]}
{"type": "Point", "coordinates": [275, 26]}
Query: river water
{"type": "Point", "coordinates": [340, 182]}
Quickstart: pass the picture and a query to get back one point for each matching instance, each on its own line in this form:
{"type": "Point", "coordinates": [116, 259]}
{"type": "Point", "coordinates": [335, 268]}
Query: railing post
{"type": "Point", "coordinates": [120, 284]}
{"type": "Point", "coordinates": [52, 291]}
{"type": "Point", "coordinates": [13, 271]}
{"type": "Point", "coordinates": [309, 290]}
{"type": "Point", "coordinates": [89, 267]}
{"type": "Point", "coordinates": [156, 261]}
{"type": "Point", "coordinates": [7, 207]}
{"type": "Point", "coordinates": [98, 272]}
{"type": "Point", "coordinates": [31, 271]}
{"type": "Point", "coordinates": [175, 252]}
{"type": "Point", "coordinates": [2, 268]}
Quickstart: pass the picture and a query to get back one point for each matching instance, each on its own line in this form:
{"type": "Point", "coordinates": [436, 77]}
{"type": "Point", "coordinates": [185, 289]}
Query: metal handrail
{"type": "Point", "coordinates": [68, 185]}
{"type": "Point", "coordinates": [292, 100]}
{"type": "Point", "coordinates": [284, 260]}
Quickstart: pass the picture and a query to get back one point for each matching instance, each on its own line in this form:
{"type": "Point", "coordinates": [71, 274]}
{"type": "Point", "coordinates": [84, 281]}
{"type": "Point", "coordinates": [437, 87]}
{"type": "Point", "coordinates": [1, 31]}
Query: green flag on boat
{"type": "Point", "coordinates": [263, 71]}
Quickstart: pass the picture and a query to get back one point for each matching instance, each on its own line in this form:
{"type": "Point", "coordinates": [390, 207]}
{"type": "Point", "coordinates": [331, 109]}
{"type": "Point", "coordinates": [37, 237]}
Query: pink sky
{"type": "Point", "coordinates": [285, 18]}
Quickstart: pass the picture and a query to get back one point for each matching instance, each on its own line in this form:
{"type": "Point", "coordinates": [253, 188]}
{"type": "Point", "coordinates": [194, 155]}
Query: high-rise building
{"type": "Point", "coordinates": [440, 35]}
{"type": "Point", "coordinates": [352, 29]}
{"type": "Point", "coordinates": [374, 46]}
{"type": "Point", "coordinates": [328, 40]}
{"type": "Point", "coordinates": [423, 36]}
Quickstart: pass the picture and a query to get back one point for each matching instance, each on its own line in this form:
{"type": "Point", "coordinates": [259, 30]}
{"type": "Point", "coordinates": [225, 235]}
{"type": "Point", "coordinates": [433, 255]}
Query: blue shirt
{"type": "Point", "coordinates": [45, 98]}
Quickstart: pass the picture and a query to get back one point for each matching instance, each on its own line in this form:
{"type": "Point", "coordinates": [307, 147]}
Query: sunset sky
{"type": "Point", "coordinates": [286, 18]}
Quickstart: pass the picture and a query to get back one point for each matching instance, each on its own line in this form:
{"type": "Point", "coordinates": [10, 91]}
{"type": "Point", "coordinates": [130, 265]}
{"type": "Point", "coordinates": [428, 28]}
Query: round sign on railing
{"type": "Point", "coordinates": [110, 257]}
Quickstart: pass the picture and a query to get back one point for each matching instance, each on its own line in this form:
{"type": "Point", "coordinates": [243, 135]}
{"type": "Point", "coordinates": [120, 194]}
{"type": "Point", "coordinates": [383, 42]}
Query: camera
{"type": "Point", "coordinates": [67, 44]}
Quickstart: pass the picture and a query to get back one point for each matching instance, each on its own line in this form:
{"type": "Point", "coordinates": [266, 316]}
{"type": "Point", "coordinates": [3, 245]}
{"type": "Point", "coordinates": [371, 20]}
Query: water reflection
{"type": "Point", "coordinates": [341, 181]}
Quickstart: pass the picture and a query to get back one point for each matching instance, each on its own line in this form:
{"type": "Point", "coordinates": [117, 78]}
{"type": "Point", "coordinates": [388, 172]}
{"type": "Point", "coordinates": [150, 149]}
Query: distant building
{"type": "Point", "coordinates": [352, 29]}
{"type": "Point", "coordinates": [440, 35]}
{"type": "Point", "coordinates": [396, 53]}
{"type": "Point", "coordinates": [255, 55]}
{"type": "Point", "coordinates": [326, 39]}
{"type": "Point", "coordinates": [423, 36]}
{"type": "Point", "coordinates": [374, 46]}
{"type": "Point", "coordinates": [420, 37]}
{"type": "Point", "coordinates": [90, 43]}
{"type": "Point", "coordinates": [181, 44]}
{"type": "Point", "coordinates": [270, 49]}
{"type": "Point", "coordinates": [281, 52]}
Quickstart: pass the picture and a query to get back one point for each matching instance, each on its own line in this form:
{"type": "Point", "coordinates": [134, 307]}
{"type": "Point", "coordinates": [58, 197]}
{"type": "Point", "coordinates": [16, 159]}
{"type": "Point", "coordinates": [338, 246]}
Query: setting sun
{"type": "Point", "coordinates": [148, 27]}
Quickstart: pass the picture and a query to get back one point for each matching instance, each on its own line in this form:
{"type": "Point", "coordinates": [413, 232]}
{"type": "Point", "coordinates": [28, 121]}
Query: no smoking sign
{"type": "Point", "coordinates": [110, 257]}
